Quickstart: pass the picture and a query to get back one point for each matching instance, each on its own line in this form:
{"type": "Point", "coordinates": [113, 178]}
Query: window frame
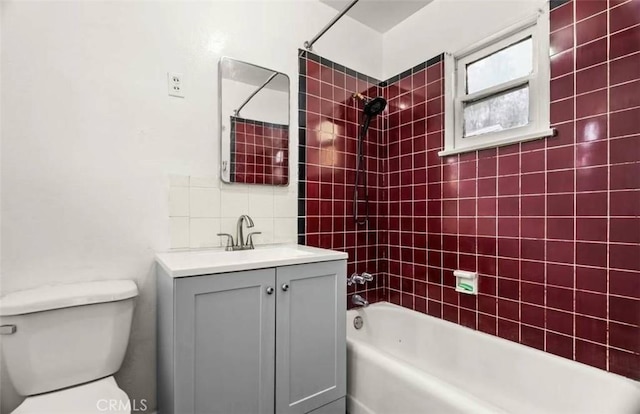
{"type": "Point", "coordinates": [455, 72]}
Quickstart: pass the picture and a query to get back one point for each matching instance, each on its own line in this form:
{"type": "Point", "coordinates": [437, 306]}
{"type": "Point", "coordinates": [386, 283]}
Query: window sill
{"type": "Point", "coordinates": [513, 140]}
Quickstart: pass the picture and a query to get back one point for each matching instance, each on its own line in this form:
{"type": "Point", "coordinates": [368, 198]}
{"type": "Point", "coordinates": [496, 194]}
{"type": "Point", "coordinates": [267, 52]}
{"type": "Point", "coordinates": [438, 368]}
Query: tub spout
{"type": "Point", "coordinates": [359, 301]}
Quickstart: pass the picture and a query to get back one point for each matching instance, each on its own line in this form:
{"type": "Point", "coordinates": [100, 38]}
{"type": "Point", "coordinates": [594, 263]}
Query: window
{"type": "Point", "coordinates": [497, 91]}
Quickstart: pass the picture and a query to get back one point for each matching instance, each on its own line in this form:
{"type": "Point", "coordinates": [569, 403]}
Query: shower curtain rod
{"type": "Point", "coordinates": [309, 43]}
{"type": "Point", "coordinates": [237, 111]}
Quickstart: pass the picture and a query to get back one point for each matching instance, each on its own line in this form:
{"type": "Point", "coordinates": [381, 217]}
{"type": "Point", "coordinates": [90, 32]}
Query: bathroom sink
{"type": "Point", "coordinates": [200, 262]}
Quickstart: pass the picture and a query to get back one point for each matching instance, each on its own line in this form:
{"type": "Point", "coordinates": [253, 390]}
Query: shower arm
{"type": "Point", "coordinates": [309, 43]}
{"type": "Point", "coordinates": [360, 96]}
{"type": "Point", "coordinates": [237, 111]}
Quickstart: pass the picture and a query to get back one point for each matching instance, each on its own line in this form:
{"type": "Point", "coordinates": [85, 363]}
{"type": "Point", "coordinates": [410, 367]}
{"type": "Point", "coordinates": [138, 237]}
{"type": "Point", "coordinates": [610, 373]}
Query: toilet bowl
{"type": "Point", "coordinates": [62, 343]}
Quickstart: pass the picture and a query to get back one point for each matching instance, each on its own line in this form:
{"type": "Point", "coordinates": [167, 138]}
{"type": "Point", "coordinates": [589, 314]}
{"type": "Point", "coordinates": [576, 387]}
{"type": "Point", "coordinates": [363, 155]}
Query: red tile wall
{"type": "Point", "coordinates": [552, 226]}
{"type": "Point", "coordinates": [414, 133]}
{"type": "Point", "coordinates": [260, 152]}
{"type": "Point", "coordinates": [329, 121]}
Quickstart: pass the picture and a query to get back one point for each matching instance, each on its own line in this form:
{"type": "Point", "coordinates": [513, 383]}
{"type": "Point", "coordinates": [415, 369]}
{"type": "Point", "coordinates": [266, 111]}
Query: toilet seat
{"type": "Point", "coordinates": [102, 396]}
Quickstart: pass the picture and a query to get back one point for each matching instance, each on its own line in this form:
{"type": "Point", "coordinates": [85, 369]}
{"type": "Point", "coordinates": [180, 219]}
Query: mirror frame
{"type": "Point", "coordinates": [221, 132]}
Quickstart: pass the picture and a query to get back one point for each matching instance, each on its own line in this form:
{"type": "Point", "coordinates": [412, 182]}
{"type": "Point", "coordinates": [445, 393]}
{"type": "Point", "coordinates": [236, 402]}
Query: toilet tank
{"type": "Point", "coordinates": [62, 335]}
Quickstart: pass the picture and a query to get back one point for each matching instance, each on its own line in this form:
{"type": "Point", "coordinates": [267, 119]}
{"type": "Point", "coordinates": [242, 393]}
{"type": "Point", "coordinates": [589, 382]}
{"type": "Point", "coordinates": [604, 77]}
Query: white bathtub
{"type": "Point", "coordinates": [403, 361]}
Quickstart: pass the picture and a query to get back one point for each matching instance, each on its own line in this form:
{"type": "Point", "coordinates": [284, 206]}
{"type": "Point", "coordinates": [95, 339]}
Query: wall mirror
{"type": "Point", "coordinates": [254, 123]}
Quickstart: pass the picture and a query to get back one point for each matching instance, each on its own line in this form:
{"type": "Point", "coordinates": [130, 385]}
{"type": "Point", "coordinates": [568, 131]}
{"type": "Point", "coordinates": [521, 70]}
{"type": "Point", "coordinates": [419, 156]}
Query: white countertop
{"type": "Point", "coordinates": [205, 262]}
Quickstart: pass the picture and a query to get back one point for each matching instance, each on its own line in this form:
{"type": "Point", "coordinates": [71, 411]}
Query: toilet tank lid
{"type": "Point", "coordinates": [66, 295]}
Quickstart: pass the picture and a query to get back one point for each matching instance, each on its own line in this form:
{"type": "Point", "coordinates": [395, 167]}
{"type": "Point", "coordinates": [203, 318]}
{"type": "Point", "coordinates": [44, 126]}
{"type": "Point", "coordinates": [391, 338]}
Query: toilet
{"type": "Point", "coordinates": [62, 343]}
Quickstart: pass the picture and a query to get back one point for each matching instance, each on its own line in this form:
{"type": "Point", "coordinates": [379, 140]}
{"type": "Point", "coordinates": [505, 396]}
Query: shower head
{"type": "Point", "coordinates": [372, 106]}
{"type": "Point", "coordinates": [375, 106]}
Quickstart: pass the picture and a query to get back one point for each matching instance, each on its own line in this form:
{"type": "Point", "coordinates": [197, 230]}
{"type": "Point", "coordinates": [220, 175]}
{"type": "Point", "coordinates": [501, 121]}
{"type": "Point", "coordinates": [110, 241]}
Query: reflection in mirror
{"type": "Point", "coordinates": [254, 124]}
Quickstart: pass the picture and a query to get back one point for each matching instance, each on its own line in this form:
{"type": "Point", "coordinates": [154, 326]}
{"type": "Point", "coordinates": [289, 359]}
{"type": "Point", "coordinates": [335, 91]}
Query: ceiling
{"type": "Point", "coordinates": [380, 15]}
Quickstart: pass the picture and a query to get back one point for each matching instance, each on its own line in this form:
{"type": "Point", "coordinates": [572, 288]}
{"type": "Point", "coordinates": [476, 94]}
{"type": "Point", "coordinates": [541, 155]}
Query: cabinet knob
{"type": "Point", "coordinates": [285, 287]}
{"type": "Point", "coordinates": [269, 290]}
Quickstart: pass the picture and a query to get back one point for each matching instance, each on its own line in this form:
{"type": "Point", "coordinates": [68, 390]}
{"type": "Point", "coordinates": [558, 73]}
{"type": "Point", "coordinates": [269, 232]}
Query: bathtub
{"type": "Point", "coordinates": [402, 361]}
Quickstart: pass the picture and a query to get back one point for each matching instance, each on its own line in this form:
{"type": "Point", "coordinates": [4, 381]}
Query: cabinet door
{"type": "Point", "coordinates": [310, 336]}
{"type": "Point", "coordinates": [225, 343]}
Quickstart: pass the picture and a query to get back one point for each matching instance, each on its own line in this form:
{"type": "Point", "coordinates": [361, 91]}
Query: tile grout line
{"type": "Point", "coordinates": [575, 184]}
{"type": "Point", "coordinates": [608, 67]}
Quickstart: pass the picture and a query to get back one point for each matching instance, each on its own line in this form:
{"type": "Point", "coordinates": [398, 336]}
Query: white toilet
{"type": "Point", "coordinates": [62, 343]}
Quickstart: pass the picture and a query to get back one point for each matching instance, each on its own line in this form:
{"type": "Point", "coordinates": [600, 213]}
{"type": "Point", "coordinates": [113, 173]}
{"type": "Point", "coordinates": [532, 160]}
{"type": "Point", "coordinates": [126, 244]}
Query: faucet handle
{"type": "Point", "coordinates": [250, 238]}
{"type": "Point", "coordinates": [229, 240]}
{"type": "Point", "coordinates": [355, 278]}
{"type": "Point", "coordinates": [368, 277]}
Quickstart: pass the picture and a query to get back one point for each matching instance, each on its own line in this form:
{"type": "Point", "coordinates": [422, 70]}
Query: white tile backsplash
{"type": "Point", "coordinates": [234, 202]}
{"type": "Point", "coordinates": [260, 205]}
{"type": "Point", "coordinates": [178, 201]}
{"type": "Point", "coordinates": [179, 230]}
{"type": "Point", "coordinates": [201, 207]}
{"type": "Point", "coordinates": [228, 225]}
{"type": "Point", "coordinates": [179, 181]}
{"type": "Point", "coordinates": [265, 226]}
{"type": "Point", "coordinates": [203, 232]}
{"type": "Point", "coordinates": [286, 206]}
{"type": "Point", "coordinates": [210, 182]}
{"type": "Point", "coordinates": [204, 202]}
{"type": "Point", "coordinates": [285, 230]}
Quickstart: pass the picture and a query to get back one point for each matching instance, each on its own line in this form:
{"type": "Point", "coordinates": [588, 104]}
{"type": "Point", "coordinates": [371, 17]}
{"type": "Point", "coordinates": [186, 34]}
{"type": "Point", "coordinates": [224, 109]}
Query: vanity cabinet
{"type": "Point", "coordinates": [256, 341]}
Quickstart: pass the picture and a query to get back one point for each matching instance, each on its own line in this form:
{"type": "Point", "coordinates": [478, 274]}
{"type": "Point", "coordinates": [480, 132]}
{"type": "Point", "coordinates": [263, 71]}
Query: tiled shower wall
{"type": "Point", "coordinates": [552, 226]}
{"type": "Point", "coordinates": [329, 119]}
{"type": "Point", "coordinates": [414, 133]}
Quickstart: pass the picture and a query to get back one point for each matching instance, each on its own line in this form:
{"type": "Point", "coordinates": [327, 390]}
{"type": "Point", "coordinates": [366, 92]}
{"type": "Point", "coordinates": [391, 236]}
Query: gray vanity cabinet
{"type": "Point", "coordinates": [259, 341]}
{"type": "Point", "coordinates": [225, 330]}
{"type": "Point", "coordinates": [310, 336]}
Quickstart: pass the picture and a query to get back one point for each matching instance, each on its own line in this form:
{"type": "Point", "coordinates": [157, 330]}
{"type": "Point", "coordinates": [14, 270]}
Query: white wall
{"type": "Point", "coordinates": [89, 135]}
{"type": "Point", "coordinates": [448, 26]}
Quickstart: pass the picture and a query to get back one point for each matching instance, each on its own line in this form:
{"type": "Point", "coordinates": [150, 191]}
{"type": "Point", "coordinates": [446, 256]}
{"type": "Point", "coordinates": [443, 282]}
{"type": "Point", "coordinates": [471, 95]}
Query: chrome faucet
{"type": "Point", "coordinates": [241, 243]}
{"type": "Point", "coordinates": [359, 301]}
{"type": "Point", "coordinates": [359, 279]}
{"type": "Point", "coordinates": [239, 234]}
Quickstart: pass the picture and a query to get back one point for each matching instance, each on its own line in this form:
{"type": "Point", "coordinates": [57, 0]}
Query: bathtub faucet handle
{"type": "Point", "coordinates": [355, 278]}
{"type": "Point", "coordinates": [359, 279]}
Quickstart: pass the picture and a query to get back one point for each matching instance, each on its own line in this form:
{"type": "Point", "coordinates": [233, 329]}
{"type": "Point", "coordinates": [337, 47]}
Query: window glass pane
{"type": "Point", "coordinates": [507, 110]}
{"type": "Point", "coordinates": [507, 64]}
